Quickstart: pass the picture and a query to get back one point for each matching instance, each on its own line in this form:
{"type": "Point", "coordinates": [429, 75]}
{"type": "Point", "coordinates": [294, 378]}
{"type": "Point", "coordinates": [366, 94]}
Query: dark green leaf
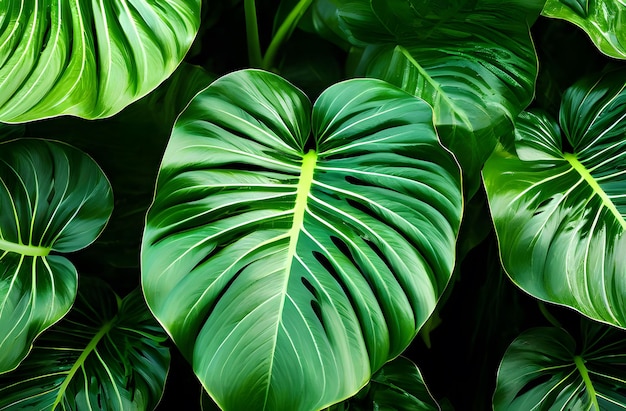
{"type": "Point", "coordinates": [296, 250]}
{"type": "Point", "coordinates": [54, 199]}
{"type": "Point", "coordinates": [107, 354]}
{"type": "Point", "coordinates": [542, 369]}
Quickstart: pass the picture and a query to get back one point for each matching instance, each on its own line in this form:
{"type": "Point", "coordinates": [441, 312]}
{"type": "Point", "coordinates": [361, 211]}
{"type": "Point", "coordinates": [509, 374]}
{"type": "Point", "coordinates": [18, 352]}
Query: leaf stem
{"type": "Point", "coordinates": [551, 319]}
{"type": "Point", "coordinates": [252, 34]}
{"type": "Point", "coordinates": [580, 364]}
{"type": "Point", "coordinates": [284, 31]}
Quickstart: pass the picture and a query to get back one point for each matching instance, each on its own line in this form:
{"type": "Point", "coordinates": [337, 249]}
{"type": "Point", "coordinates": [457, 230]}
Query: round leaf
{"type": "Point", "coordinates": [560, 215]}
{"type": "Point", "coordinates": [53, 198]}
{"type": "Point", "coordinates": [86, 58]}
{"type": "Point", "coordinates": [107, 354]}
{"type": "Point", "coordinates": [291, 249]}
{"type": "Point", "coordinates": [542, 370]}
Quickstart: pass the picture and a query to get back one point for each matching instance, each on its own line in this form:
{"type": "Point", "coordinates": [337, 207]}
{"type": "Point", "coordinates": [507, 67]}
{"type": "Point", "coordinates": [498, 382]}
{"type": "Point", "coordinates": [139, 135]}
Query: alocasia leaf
{"type": "Point", "coordinates": [543, 369]}
{"type": "Point", "coordinates": [86, 58]}
{"type": "Point", "coordinates": [473, 61]}
{"type": "Point", "coordinates": [292, 250]}
{"type": "Point", "coordinates": [602, 20]}
{"type": "Point", "coordinates": [559, 204]}
{"type": "Point", "coordinates": [397, 386]}
{"type": "Point", "coordinates": [107, 354]}
{"type": "Point", "coordinates": [53, 199]}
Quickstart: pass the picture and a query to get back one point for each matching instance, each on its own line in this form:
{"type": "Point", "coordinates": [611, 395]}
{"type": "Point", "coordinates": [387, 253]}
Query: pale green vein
{"type": "Point", "coordinates": [24, 249]}
{"type": "Point", "coordinates": [81, 361]}
{"type": "Point", "coordinates": [580, 364]}
{"type": "Point", "coordinates": [606, 200]}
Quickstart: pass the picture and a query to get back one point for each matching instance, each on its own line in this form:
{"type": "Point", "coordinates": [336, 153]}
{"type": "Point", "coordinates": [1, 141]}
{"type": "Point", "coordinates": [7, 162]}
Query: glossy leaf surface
{"type": "Point", "coordinates": [107, 354]}
{"type": "Point", "coordinates": [53, 199]}
{"type": "Point", "coordinates": [602, 20]}
{"type": "Point", "coordinates": [544, 369]}
{"type": "Point", "coordinates": [559, 212]}
{"type": "Point", "coordinates": [397, 386]}
{"type": "Point", "coordinates": [297, 249]}
{"type": "Point", "coordinates": [472, 61]}
{"type": "Point", "coordinates": [86, 58]}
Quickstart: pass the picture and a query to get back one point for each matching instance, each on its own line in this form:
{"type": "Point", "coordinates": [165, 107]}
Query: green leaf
{"type": "Point", "coordinates": [397, 386]}
{"type": "Point", "coordinates": [560, 214]}
{"type": "Point", "coordinates": [298, 249]}
{"type": "Point", "coordinates": [107, 354]}
{"type": "Point", "coordinates": [88, 59]}
{"type": "Point", "coordinates": [602, 20]}
{"type": "Point", "coordinates": [472, 61]}
{"type": "Point", "coordinates": [543, 369]}
{"type": "Point", "coordinates": [54, 199]}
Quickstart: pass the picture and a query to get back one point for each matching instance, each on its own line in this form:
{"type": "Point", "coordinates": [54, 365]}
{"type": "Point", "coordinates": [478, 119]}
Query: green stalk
{"type": "Point", "coordinates": [549, 317]}
{"type": "Point", "coordinates": [580, 364]}
{"type": "Point", "coordinates": [252, 34]}
{"type": "Point", "coordinates": [284, 31]}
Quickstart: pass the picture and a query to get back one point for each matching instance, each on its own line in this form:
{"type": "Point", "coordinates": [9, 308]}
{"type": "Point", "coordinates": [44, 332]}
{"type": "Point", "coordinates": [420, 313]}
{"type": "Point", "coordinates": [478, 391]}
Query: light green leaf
{"type": "Point", "coordinates": [397, 386]}
{"type": "Point", "coordinates": [298, 249]}
{"type": "Point", "coordinates": [107, 354]}
{"type": "Point", "coordinates": [53, 199]}
{"type": "Point", "coordinates": [544, 370]}
{"type": "Point", "coordinates": [559, 212]}
{"type": "Point", "coordinates": [472, 61]}
{"type": "Point", "coordinates": [85, 58]}
{"type": "Point", "coordinates": [602, 20]}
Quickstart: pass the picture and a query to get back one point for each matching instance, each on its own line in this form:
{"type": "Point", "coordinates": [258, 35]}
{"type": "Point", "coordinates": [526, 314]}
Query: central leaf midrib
{"type": "Point", "coordinates": [24, 249]}
{"type": "Point", "coordinates": [305, 181]}
{"type": "Point", "coordinates": [584, 173]}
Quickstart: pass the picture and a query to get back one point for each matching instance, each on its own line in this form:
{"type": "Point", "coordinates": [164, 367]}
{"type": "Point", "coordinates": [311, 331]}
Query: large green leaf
{"type": "Point", "coordinates": [397, 386]}
{"type": "Point", "coordinates": [543, 369]}
{"type": "Point", "coordinates": [53, 199]}
{"type": "Point", "coordinates": [602, 20]}
{"type": "Point", "coordinates": [473, 61]}
{"type": "Point", "coordinates": [559, 206]}
{"type": "Point", "coordinates": [292, 249]}
{"type": "Point", "coordinates": [107, 354]}
{"type": "Point", "coordinates": [87, 58]}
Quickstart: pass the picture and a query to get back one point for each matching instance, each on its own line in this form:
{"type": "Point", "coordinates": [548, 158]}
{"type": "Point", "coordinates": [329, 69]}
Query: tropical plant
{"type": "Point", "coordinates": [349, 205]}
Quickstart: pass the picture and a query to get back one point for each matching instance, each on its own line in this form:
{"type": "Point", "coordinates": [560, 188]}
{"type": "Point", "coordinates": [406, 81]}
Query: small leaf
{"type": "Point", "coordinates": [107, 354]}
{"type": "Point", "coordinates": [560, 215]}
{"type": "Point", "coordinates": [298, 249]}
{"type": "Point", "coordinates": [602, 20]}
{"type": "Point", "coordinates": [54, 199]}
{"type": "Point", "coordinates": [543, 370]}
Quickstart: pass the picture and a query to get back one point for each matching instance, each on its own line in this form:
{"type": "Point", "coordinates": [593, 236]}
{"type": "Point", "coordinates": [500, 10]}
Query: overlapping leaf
{"type": "Point", "coordinates": [397, 386]}
{"type": "Point", "coordinates": [289, 252]}
{"type": "Point", "coordinates": [543, 369]}
{"type": "Point", "coordinates": [602, 20]}
{"type": "Point", "coordinates": [472, 61]}
{"type": "Point", "coordinates": [53, 199]}
{"type": "Point", "coordinates": [559, 205]}
{"type": "Point", "coordinates": [105, 355]}
{"type": "Point", "coordinates": [87, 58]}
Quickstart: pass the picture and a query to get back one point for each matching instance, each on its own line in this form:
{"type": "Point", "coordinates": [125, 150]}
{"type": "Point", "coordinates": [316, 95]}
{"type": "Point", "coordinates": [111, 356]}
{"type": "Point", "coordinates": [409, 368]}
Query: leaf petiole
{"type": "Point", "coordinates": [582, 369]}
{"type": "Point", "coordinates": [252, 34]}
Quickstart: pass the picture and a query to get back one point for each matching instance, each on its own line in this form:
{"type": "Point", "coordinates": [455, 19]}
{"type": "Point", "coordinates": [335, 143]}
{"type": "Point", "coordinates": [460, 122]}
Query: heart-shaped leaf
{"type": "Point", "coordinates": [53, 199]}
{"type": "Point", "coordinates": [473, 61]}
{"type": "Point", "coordinates": [543, 369]}
{"type": "Point", "coordinates": [107, 354]}
{"type": "Point", "coordinates": [85, 58]}
{"type": "Point", "coordinates": [602, 20]}
{"type": "Point", "coordinates": [292, 249]}
{"type": "Point", "coordinates": [559, 207]}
